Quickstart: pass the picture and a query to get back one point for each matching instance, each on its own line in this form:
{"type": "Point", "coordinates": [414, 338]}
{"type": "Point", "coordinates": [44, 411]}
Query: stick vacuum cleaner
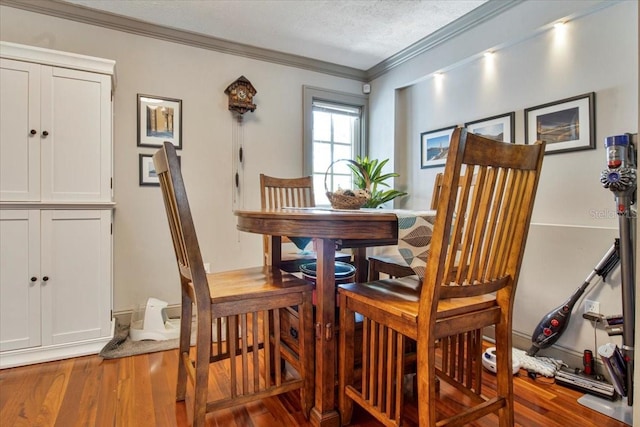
{"type": "Point", "coordinates": [554, 323]}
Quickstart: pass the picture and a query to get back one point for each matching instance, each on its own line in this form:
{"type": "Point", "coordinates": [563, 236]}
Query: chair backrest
{"type": "Point", "coordinates": [284, 192]}
{"type": "Point", "coordinates": [280, 192]}
{"type": "Point", "coordinates": [482, 223]}
{"type": "Point", "coordinates": [183, 233]}
{"type": "Point", "coordinates": [437, 189]}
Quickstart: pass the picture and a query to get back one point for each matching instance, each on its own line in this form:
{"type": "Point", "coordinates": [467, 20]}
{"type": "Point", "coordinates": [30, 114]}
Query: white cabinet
{"type": "Point", "coordinates": [55, 139]}
{"type": "Point", "coordinates": [20, 279]}
{"type": "Point", "coordinates": [55, 288]}
{"type": "Point", "coordinates": [56, 204]}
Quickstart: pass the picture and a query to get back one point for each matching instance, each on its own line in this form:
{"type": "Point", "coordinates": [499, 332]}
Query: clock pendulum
{"type": "Point", "coordinates": [240, 94]}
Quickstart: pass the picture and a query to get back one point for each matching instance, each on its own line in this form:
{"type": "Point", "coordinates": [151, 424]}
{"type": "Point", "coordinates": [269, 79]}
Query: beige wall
{"type": "Point", "coordinates": [143, 257]}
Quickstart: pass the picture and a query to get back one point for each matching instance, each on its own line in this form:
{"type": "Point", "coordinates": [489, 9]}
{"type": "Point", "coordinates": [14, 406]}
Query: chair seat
{"type": "Point", "coordinates": [400, 298]}
{"type": "Point", "coordinates": [253, 282]}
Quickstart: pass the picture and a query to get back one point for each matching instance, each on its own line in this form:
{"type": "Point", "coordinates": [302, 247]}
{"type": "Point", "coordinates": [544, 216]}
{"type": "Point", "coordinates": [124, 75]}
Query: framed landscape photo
{"type": "Point", "coordinates": [501, 128]}
{"type": "Point", "coordinates": [148, 175]}
{"type": "Point", "coordinates": [434, 147]}
{"type": "Point", "coordinates": [147, 170]}
{"type": "Point", "coordinates": [159, 120]}
{"type": "Point", "coordinates": [565, 125]}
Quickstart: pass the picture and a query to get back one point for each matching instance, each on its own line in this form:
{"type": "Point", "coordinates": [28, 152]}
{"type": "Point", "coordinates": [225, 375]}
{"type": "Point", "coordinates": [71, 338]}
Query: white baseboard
{"type": "Point", "coordinates": [30, 356]}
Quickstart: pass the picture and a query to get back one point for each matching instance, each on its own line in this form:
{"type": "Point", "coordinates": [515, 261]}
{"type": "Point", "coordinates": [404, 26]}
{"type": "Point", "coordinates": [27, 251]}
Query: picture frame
{"type": "Point", "coordinates": [566, 125]}
{"type": "Point", "coordinates": [147, 171]}
{"type": "Point", "coordinates": [159, 120]}
{"type": "Point", "coordinates": [434, 147]}
{"type": "Point", "coordinates": [501, 127]}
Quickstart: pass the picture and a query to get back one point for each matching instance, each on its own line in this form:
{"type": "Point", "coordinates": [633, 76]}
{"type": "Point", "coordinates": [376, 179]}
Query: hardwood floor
{"type": "Point", "coordinates": [139, 391]}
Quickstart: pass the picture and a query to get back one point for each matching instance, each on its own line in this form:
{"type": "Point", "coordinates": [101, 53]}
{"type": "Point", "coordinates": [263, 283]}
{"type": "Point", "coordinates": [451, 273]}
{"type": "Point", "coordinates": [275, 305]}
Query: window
{"type": "Point", "coordinates": [334, 125]}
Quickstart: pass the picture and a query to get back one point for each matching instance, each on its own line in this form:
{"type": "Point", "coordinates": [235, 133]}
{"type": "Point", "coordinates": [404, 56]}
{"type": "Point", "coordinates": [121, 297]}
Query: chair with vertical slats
{"type": "Point", "coordinates": [475, 255]}
{"type": "Point", "coordinates": [460, 354]}
{"type": "Point", "coordinates": [275, 193]}
{"type": "Point", "coordinates": [240, 308]}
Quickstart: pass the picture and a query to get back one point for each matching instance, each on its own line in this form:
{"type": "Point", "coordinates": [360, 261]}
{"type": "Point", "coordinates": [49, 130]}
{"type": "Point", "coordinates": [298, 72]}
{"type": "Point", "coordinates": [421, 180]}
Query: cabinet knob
{"type": "Point", "coordinates": [45, 133]}
{"type": "Point", "coordinates": [33, 132]}
{"type": "Point", "coordinates": [34, 278]}
{"type": "Point", "coordinates": [45, 278]}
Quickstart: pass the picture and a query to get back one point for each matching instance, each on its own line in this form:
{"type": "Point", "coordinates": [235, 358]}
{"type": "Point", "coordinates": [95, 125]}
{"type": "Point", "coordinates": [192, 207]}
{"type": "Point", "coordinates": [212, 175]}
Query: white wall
{"type": "Point", "coordinates": [143, 257]}
{"type": "Point", "coordinates": [574, 219]}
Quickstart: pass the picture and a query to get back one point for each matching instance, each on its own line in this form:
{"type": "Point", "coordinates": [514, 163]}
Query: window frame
{"type": "Point", "coordinates": [312, 94]}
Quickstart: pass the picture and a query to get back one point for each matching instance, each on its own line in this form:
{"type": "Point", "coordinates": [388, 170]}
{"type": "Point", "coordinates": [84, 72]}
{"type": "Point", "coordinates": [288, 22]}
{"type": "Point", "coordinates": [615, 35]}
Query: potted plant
{"type": "Point", "coordinates": [373, 168]}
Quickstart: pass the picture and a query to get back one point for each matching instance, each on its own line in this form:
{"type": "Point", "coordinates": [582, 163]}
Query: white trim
{"type": "Point", "coordinates": [57, 205]}
{"type": "Point", "coordinates": [30, 356]}
{"type": "Point", "coordinates": [58, 58]}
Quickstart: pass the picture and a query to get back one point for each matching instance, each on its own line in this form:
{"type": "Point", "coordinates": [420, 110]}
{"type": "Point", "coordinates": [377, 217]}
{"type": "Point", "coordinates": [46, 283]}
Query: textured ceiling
{"type": "Point", "coordinates": [353, 33]}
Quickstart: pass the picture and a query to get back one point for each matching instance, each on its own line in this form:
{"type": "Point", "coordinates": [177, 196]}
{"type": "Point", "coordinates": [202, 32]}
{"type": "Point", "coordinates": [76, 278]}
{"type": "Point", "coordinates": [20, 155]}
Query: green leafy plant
{"type": "Point", "coordinates": [373, 168]}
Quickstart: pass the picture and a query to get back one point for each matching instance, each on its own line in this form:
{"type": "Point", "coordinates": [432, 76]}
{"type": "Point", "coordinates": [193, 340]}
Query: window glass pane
{"type": "Point", "coordinates": [341, 151]}
{"type": "Point", "coordinates": [342, 128]}
{"type": "Point", "coordinates": [318, 189]}
{"type": "Point", "coordinates": [321, 126]}
{"type": "Point", "coordinates": [341, 167]}
{"type": "Point", "coordinates": [321, 156]}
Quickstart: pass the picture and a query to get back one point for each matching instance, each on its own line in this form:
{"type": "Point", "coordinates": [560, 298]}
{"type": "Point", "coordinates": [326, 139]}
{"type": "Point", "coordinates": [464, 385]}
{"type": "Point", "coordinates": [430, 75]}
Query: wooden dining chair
{"type": "Point", "coordinates": [461, 354]}
{"type": "Point", "coordinates": [474, 261]}
{"type": "Point", "coordinates": [275, 193]}
{"type": "Point", "coordinates": [242, 308]}
{"type": "Point", "coordinates": [393, 265]}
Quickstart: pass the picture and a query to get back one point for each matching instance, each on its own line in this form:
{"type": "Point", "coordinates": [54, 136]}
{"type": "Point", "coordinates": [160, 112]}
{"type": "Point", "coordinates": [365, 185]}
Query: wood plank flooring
{"type": "Point", "coordinates": [139, 391]}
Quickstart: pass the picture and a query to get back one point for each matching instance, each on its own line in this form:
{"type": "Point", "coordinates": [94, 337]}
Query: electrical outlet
{"type": "Point", "coordinates": [591, 306]}
{"type": "Point", "coordinates": [207, 267]}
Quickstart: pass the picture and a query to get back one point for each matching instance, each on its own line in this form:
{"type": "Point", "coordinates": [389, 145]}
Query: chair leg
{"type": "Point", "coordinates": [201, 380]}
{"type": "Point", "coordinates": [346, 362]}
{"type": "Point", "coordinates": [374, 274]}
{"type": "Point", "coordinates": [426, 383]}
{"type": "Point", "coordinates": [306, 355]}
{"type": "Point", "coordinates": [504, 374]}
{"type": "Point", "coordinates": [185, 342]}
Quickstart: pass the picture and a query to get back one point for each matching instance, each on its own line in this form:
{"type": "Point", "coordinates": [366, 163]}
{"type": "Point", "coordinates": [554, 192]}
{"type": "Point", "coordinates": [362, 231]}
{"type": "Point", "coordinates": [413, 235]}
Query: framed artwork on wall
{"type": "Point", "coordinates": [501, 128]}
{"type": "Point", "coordinates": [565, 125]}
{"type": "Point", "coordinates": [434, 147]}
{"type": "Point", "coordinates": [159, 120]}
{"type": "Point", "coordinates": [147, 170]}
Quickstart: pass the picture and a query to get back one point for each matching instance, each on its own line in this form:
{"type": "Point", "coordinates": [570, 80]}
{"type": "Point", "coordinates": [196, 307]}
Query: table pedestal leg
{"type": "Point", "coordinates": [324, 413]}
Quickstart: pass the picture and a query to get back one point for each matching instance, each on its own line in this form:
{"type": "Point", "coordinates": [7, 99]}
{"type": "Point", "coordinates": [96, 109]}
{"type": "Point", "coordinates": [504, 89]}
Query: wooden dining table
{"type": "Point", "coordinates": [331, 229]}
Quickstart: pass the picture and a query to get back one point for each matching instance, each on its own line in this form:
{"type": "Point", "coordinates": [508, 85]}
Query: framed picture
{"type": "Point", "coordinates": [434, 147]}
{"type": "Point", "coordinates": [565, 125]}
{"type": "Point", "coordinates": [159, 120]}
{"type": "Point", "coordinates": [501, 128]}
{"type": "Point", "coordinates": [147, 174]}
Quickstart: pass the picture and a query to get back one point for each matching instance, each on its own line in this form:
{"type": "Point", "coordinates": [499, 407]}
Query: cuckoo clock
{"type": "Point", "coordinates": [241, 93]}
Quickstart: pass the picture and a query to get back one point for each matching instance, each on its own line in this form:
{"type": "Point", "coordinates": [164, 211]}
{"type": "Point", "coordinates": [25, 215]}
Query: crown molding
{"type": "Point", "coordinates": [112, 21]}
{"type": "Point", "coordinates": [466, 22]}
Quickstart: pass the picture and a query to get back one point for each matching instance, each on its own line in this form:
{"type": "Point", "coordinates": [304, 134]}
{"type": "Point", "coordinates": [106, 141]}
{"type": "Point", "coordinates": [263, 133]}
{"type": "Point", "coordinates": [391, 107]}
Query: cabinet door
{"type": "Point", "coordinates": [20, 131]}
{"type": "Point", "coordinates": [19, 279]}
{"type": "Point", "coordinates": [76, 258]}
{"type": "Point", "coordinates": [76, 153]}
